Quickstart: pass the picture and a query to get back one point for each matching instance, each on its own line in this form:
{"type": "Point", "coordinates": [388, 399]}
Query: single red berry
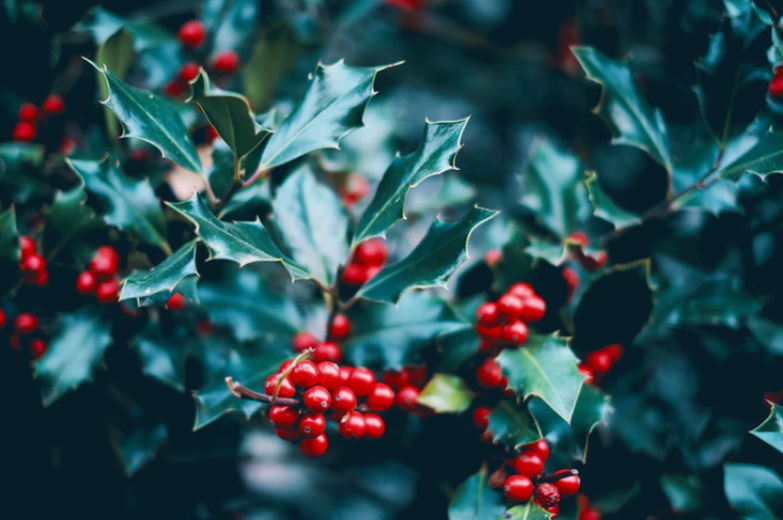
{"type": "Point", "coordinates": [547, 495]}
{"type": "Point", "coordinates": [314, 447]}
{"type": "Point", "coordinates": [593, 263]}
{"type": "Point", "coordinates": [540, 448]}
{"type": "Point", "coordinates": [37, 348]}
{"type": "Point", "coordinates": [68, 145]}
{"type": "Point", "coordinates": [529, 465]}
{"type": "Point", "coordinates": [287, 434]}
{"type": "Point", "coordinates": [572, 282]}
{"type": "Point", "coordinates": [417, 374]}
{"type": "Point", "coordinates": [509, 307]}
{"type": "Point", "coordinates": [317, 399]}
{"type": "Point", "coordinates": [345, 374]}
{"type": "Point", "coordinates": [488, 374]}
{"type": "Point", "coordinates": [286, 389]}
{"type": "Point", "coordinates": [487, 314]}
{"type": "Point", "coordinates": [361, 380]}
{"type": "Point", "coordinates": [53, 104]}
{"type": "Point", "coordinates": [341, 327]}
{"type": "Point", "coordinates": [105, 262]}
{"type": "Point", "coordinates": [25, 323]}
{"type": "Point", "coordinates": [354, 274]}
{"type": "Point", "coordinates": [225, 62]}
{"type": "Point", "coordinates": [312, 424]}
{"type": "Point", "coordinates": [533, 309]}
{"type": "Point", "coordinates": [327, 351]}
{"type": "Point", "coordinates": [189, 71]}
{"type": "Point", "coordinates": [328, 375]}
{"type": "Point", "coordinates": [282, 416]}
{"type": "Point", "coordinates": [28, 112]}
{"type": "Point", "coordinates": [380, 398]}
{"type": "Point", "coordinates": [580, 238]}
{"type": "Point", "coordinates": [27, 246]}
{"type": "Point", "coordinates": [176, 87]}
{"type": "Point", "coordinates": [515, 333]}
{"type": "Point", "coordinates": [615, 351]}
{"type": "Point", "coordinates": [3, 319]}
{"type": "Point", "coordinates": [107, 292]}
{"type": "Point", "coordinates": [587, 372]}
{"type": "Point", "coordinates": [553, 510]}
{"type": "Point", "coordinates": [305, 374]}
{"type": "Point", "coordinates": [375, 426]}
{"type": "Point", "coordinates": [569, 485]}
{"type": "Point", "coordinates": [354, 189]}
{"type": "Point", "coordinates": [408, 397]}
{"type": "Point", "coordinates": [371, 271]}
{"type": "Point", "coordinates": [285, 365]}
{"type": "Point", "coordinates": [521, 290]}
{"type": "Point", "coordinates": [490, 333]}
{"type": "Point", "coordinates": [176, 302]}
{"type": "Point", "coordinates": [344, 399]}
{"type": "Point", "coordinates": [304, 340]}
{"type": "Point", "coordinates": [41, 278]}
{"type": "Point", "coordinates": [25, 131]}
{"type": "Point", "coordinates": [481, 417]}
{"type": "Point", "coordinates": [191, 34]}
{"type": "Point", "coordinates": [352, 425]}
{"type": "Point", "coordinates": [590, 514]}
{"type": "Point", "coordinates": [599, 362]}
{"type": "Point", "coordinates": [395, 378]}
{"type": "Point", "coordinates": [518, 488]}
{"type": "Point", "coordinates": [33, 263]}
{"type": "Point", "coordinates": [371, 252]}
{"type": "Point", "coordinates": [493, 257]}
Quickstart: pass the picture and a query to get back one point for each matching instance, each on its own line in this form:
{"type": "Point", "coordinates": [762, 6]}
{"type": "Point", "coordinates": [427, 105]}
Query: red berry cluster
{"type": "Point", "coordinates": [369, 258]}
{"type": "Point", "coordinates": [324, 391]}
{"type": "Point", "coordinates": [776, 84]}
{"type": "Point", "coordinates": [588, 262]}
{"type": "Point", "coordinates": [326, 350]}
{"type": "Point", "coordinates": [24, 326]}
{"type": "Point", "coordinates": [586, 511]}
{"type": "Point", "coordinates": [191, 35]}
{"type": "Point", "coordinates": [32, 264]}
{"type": "Point", "coordinates": [354, 187]}
{"type": "Point", "coordinates": [600, 361]}
{"type": "Point", "coordinates": [408, 383]}
{"type": "Point", "coordinates": [101, 278]}
{"type": "Point", "coordinates": [26, 130]}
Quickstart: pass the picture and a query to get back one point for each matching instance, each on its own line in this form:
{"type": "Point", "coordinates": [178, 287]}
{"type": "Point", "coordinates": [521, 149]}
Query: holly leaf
{"type": "Point", "coordinates": [163, 278]}
{"type": "Point", "coordinates": [66, 218]}
{"type": "Point", "coordinates": [230, 114]}
{"type": "Point", "coordinates": [333, 105]}
{"type": "Point", "coordinates": [446, 393]}
{"type": "Point", "coordinates": [231, 21]}
{"type": "Point", "coordinates": [456, 347]}
{"type": "Point", "coordinates": [130, 204]}
{"type": "Point", "coordinates": [74, 353]}
{"type": "Point", "coordinates": [604, 207]}
{"type": "Point", "coordinates": [140, 445]}
{"type": "Point", "coordinates": [512, 425]}
{"type": "Point", "coordinates": [162, 356]}
{"type": "Point", "coordinates": [684, 492]}
{"type": "Point", "coordinates": [754, 492]}
{"type": "Point", "coordinates": [313, 224]}
{"type": "Point", "coordinates": [475, 500]}
{"type": "Point", "coordinates": [529, 511]}
{"type": "Point", "coordinates": [760, 154]}
{"type": "Point", "coordinates": [771, 430]}
{"type": "Point", "coordinates": [766, 332]}
{"type": "Point", "coordinates": [9, 250]}
{"type": "Point", "coordinates": [546, 368]}
{"type": "Point", "coordinates": [442, 250]}
{"type": "Point", "coordinates": [436, 154]}
{"type": "Point", "coordinates": [623, 106]}
{"type": "Point", "coordinates": [150, 118]}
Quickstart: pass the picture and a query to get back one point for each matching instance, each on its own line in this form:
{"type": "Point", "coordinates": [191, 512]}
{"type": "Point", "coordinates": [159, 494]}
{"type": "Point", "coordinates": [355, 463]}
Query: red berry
{"type": "Point", "coordinates": [493, 257]}
{"type": "Point", "coordinates": [27, 246]}
{"type": "Point", "coordinates": [191, 34]}
{"type": "Point", "coordinates": [487, 314]}
{"type": "Point", "coordinates": [312, 424]}
{"type": "Point", "coordinates": [380, 398]}
{"type": "Point", "coordinates": [285, 365]}
{"type": "Point", "coordinates": [514, 333]}
{"type": "Point", "coordinates": [599, 362]}
{"type": "Point", "coordinates": [105, 262]}
{"type": "Point", "coordinates": [580, 238]}
{"type": "Point", "coordinates": [593, 263]}
{"type": "Point", "coordinates": [85, 283]}
{"type": "Point", "coordinates": [490, 333]}
{"type": "Point", "coordinates": [481, 417]}
{"type": "Point", "coordinates": [547, 495]}
{"type": "Point", "coordinates": [529, 465]}
{"type": "Point", "coordinates": [408, 397]}
{"type": "Point", "coordinates": [375, 426]}
{"type": "Point", "coordinates": [175, 87]}
{"type": "Point", "coordinates": [328, 375]}
{"type": "Point", "coordinates": [108, 292]}
{"type": "Point", "coordinates": [533, 309]}
{"type": "Point", "coordinates": [68, 145]}
{"type": "Point", "coordinates": [33, 263]}
{"type": "Point", "coordinates": [344, 399]}
{"type": "Point", "coordinates": [354, 189]}
{"type": "Point", "coordinates": [286, 386]}
{"type": "Point", "coordinates": [353, 425]}
{"type": "Point", "coordinates": [305, 374]}
{"type": "Point", "coordinates": [361, 380]}
{"type": "Point", "coordinates": [41, 278]}
{"type": "Point", "coordinates": [371, 252]}
{"type": "Point", "coordinates": [587, 372]}
{"type": "Point", "coordinates": [25, 323]}
{"type": "Point", "coordinates": [488, 374]}
{"type": "Point", "coordinates": [287, 434]}
{"type": "Point", "coordinates": [176, 302]}
{"type": "Point", "coordinates": [317, 399]}
{"type": "Point", "coordinates": [572, 282]}
{"type": "Point", "coordinates": [554, 510]}
{"type": "Point", "coordinates": [314, 447]}
{"type": "Point", "coordinates": [53, 104]}
{"type": "Point", "coordinates": [327, 351]}
{"type": "Point", "coordinates": [540, 448]}
{"type": "Point", "coordinates": [189, 71]}
{"type": "Point", "coordinates": [282, 416]}
{"type": "Point", "coordinates": [345, 374]}
{"type": "Point", "coordinates": [591, 514]}
{"type": "Point", "coordinates": [341, 327]}
{"type": "Point", "coordinates": [37, 348]}
{"type": "Point", "coordinates": [615, 351]}
{"type": "Point", "coordinates": [518, 488]}
{"type": "Point", "coordinates": [509, 307]}
{"type": "Point", "coordinates": [3, 319]}
{"type": "Point", "coordinates": [25, 131]}
{"type": "Point", "coordinates": [569, 485]}
{"type": "Point", "coordinates": [225, 62]}
{"type": "Point", "coordinates": [396, 378]}
{"type": "Point", "coordinates": [28, 112]}
{"type": "Point", "coordinates": [521, 290]}
{"type": "Point", "coordinates": [304, 340]}
{"type": "Point", "coordinates": [417, 374]}
{"type": "Point", "coordinates": [372, 271]}
{"type": "Point", "coordinates": [354, 274]}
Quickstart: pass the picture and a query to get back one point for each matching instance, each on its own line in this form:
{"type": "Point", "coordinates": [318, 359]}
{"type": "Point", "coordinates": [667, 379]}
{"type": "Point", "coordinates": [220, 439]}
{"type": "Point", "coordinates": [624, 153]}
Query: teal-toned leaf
{"type": "Point", "coordinates": [437, 153]}
{"type": "Point", "coordinates": [755, 492]}
{"type": "Point", "coordinates": [116, 55]}
{"type": "Point", "coordinates": [546, 368]}
{"type": "Point", "coordinates": [432, 262]}
{"type": "Point", "coordinates": [164, 277]}
{"type": "Point", "coordinates": [771, 430]}
{"type": "Point", "coordinates": [151, 118]}
{"type": "Point", "coordinates": [553, 189]}
{"type": "Point", "coordinates": [67, 218]}
{"type": "Point", "coordinates": [232, 22]}
{"type": "Point", "coordinates": [512, 425]}
{"type": "Point", "coordinates": [74, 353]}
{"type": "Point", "coordinates": [456, 347]}
{"type": "Point", "coordinates": [767, 332]}
{"type": "Point", "coordinates": [604, 207]}
{"type": "Point", "coordinates": [475, 500]}
{"type": "Point", "coordinates": [553, 252]}
{"type": "Point", "coordinates": [446, 393]}
{"type": "Point", "coordinates": [13, 154]}
{"type": "Point", "coordinates": [162, 356]}
{"type": "Point", "coordinates": [9, 250]}
{"type": "Point", "coordinates": [719, 196]}
{"type": "Point", "coordinates": [130, 204]}
{"type": "Point", "coordinates": [529, 511]}
{"type": "Point", "coordinates": [623, 106]}
{"type": "Point", "coordinates": [333, 106]}
{"type": "Point", "coordinates": [759, 154]}
{"type": "Point", "coordinates": [313, 224]}
{"type": "Point", "coordinates": [684, 492]}
{"type": "Point", "coordinates": [140, 445]}
{"type": "Point", "coordinates": [230, 114]}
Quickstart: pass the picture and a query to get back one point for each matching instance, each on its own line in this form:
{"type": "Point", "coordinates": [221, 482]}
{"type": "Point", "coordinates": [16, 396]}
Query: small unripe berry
{"type": "Point", "coordinates": [533, 309]}
{"type": "Point", "coordinates": [354, 274]}
{"type": "Point", "coordinates": [487, 314]}
{"type": "Point", "coordinates": [481, 417]}
{"type": "Point", "coordinates": [312, 424]}
{"type": "Point", "coordinates": [304, 340]}
{"type": "Point", "coordinates": [314, 447]}
{"type": "Point", "coordinates": [191, 34]}
{"type": "Point", "coordinates": [37, 348]}
{"type": "Point", "coordinates": [515, 333]}
{"type": "Point", "coordinates": [344, 399]}
{"type": "Point", "coordinates": [176, 302]}
{"type": "Point", "coordinates": [380, 398]}
{"type": "Point", "coordinates": [189, 71]}
{"type": "Point", "coordinates": [569, 485]}
{"type": "Point", "coordinates": [375, 426]}
{"type": "Point", "coordinates": [85, 283]}
{"type": "Point", "coordinates": [341, 327]}
{"type": "Point", "coordinates": [26, 246]}
{"type": "Point", "coordinates": [305, 374]}
{"type": "Point", "coordinates": [528, 465]}
{"type": "Point", "coordinates": [353, 425]}
{"type": "Point", "coordinates": [53, 104]}
{"type": "Point", "coordinates": [521, 290]}
{"type": "Point", "coordinates": [25, 323]}
{"type": "Point", "coordinates": [328, 375]}
{"type": "Point", "coordinates": [372, 252]}
{"type": "Point", "coordinates": [599, 362]}
{"type": "Point", "coordinates": [518, 488]}
{"type": "Point", "coordinates": [25, 131]}
{"type": "Point", "coordinates": [362, 380]}
{"type": "Point", "coordinates": [286, 386]}
{"type": "Point", "coordinates": [225, 62]}
{"type": "Point", "coordinates": [509, 307]}
{"type": "Point", "coordinates": [488, 374]}
{"type": "Point", "coordinates": [547, 495]}
{"type": "Point", "coordinates": [317, 399]}
{"type": "Point", "coordinates": [327, 351]}
{"type": "Point", "coordinates": [287, 434]}
{"type": "Point", "coordinates": [108, 292]}
{"type": "Point", "coordinates": [28, 112]}
{"type": "Point", "coordinates": [408, 397]}
{"type": "Point", "coordinates": [282, 416]}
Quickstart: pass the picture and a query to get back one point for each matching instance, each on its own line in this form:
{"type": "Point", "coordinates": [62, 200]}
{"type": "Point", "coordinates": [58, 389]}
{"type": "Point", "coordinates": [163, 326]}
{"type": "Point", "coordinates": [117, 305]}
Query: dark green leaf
{"type": "Point", "coordinates": [162, 356]}
{"type": "Point", "coordinates": [529, 511]}
{"type": "Point", "coordinates": [759, 154]}
{"type": "Point", "coordinates": [755, 492]}
{"type": "Point", "coordinates": [771, 430]}
{"type": "Point", "coordinates": [164, 277]}
{"type": "Point", "coordinates": [512, 425]}
{"type": "Point", "coordinates": [768, 333]}
{"type": "Point", "coordinates": [137, 447]}
{"type": "Point", "coordinates": [116, 55]}
{"type": "Point", "coordinates": [9, 250]}
{"type": "Point", "coordinates": [232, 22]}
{"type": "Point", "coordinates": [13, 154]}
{"type": "Point", "coordinates": [446, 393]}
{"type": "Point", "coordinates": [475, 500]}
{"type": "Point", "coordinates": [66, 218]}
{"type": "Point", "coordinates": [604, 207]}
{"type": "Point", "coordinates": [684, 492]}
{"type": "Point", "coordinates": [456, 347]}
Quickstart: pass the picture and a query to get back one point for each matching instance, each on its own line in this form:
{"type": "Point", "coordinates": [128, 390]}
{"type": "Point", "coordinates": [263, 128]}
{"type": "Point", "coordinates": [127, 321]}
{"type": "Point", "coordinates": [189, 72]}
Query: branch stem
{"type": "Point", "coordinates": [243, 392]}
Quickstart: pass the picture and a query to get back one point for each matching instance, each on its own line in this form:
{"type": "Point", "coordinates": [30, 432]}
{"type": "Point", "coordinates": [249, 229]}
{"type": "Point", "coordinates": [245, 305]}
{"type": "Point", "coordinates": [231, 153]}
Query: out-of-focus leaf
{"type": "Point", "coordinates": [456, 347]}
{"type": "Point", "coordinates": [755, 492]}
{"type": "Point", "coordinates": [768, 333]}
{"type": "Point", "coordinates": [66, 218]}
{"type": "Point", "coordinates": [162, 356]}
{"type": "Point", "coordinates": [529, 511]}
{"type": "Point", "coordinates": [604, 207]}
{"type": "Point", "coordinates": [683, 491]}
{"type": "Point", "coordinates": [760, 154]}
{"type": "Point", "coordinates": [771, 430]}
{"type": "Point", "coordinates": [512, 425]}
{"type": "Point", "coordinates": [137, 447]}
{"type": "Point", "coordinates": [116, 54]}
{"type": "Point", "coordinates": [446, 393]}
{"type": "Point", "coordinates": [232, 22]}
{"type": "Point", "coordinates": [163, 278]}
{"type": "Point", "coordinates": [475, 500]}
{"type": "Point", "coordinates": [9, 250]}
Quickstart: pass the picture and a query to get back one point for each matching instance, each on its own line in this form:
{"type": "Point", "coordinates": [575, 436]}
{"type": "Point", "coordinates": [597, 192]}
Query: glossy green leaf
{"type": "Point", "coordinates": [9, 250]}
{"type": "Point", "coordinates": [151, 118]}
{"type": "Point", "coordinates": [544, 367]}
{"type": "Point", "coordinates": [755, 492]}
{"type": "Point", "coordinates": [436, 154]}
{"type": "Point", "coordinates": [333, 106]}
{"type": "Point", "coordinates": [66, 218]}
{"type": "Point", "coordinates": [604, 207]}
{"type": "Point", "coordinates": [529, 511]}
{"type": "Point", "coordinates": [771, 430]}
{"type": "Point", "coordinates": [760, 154]}
{"type": "Point", "coordinates": [445, 393]}
{"type": "Point", "coordinates": [512, 425]}
{"type": "Point", "coordinates": [313, 224]}
{"type": "Point", "coordinates": [432, 262]}
{"type": "Point", "coordinates": [475, 500]}
{"type": "Point", "coordinates": [623, 106]}
{"type": "Point", "coordinates": [116, 54]}
{"type": "Point", "coordinates": [232, 22]}
{"type": "Point", "coordinates": [131, 204]}
{"type": "Point", "coordinates": [164, 277]}
{"type": "Point", "coordinates": [74, 353]}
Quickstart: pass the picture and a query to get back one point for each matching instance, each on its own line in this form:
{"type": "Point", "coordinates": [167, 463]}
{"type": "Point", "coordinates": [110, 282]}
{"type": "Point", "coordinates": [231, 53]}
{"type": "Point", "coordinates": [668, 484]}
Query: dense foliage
{"type": "Point", "coordinates": [247, 269]}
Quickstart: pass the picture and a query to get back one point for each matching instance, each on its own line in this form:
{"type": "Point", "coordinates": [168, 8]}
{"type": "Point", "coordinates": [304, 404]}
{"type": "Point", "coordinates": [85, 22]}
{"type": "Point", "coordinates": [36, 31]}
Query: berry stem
{"type": "Point", "coordinates": [554, 477]}
{"type": "Point", "coordinates": [242, 392]}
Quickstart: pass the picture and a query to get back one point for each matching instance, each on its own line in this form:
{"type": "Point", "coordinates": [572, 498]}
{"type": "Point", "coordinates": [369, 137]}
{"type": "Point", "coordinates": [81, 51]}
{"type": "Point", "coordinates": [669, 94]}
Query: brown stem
{"type": "Point", "coordinates": [242, 392]}
{"type": "Point", "coordinates": [253, 178]}
{"type": "Point", "coordinates": [554, 477]}
{"type": "Point", "coordinates": [227, 196]}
